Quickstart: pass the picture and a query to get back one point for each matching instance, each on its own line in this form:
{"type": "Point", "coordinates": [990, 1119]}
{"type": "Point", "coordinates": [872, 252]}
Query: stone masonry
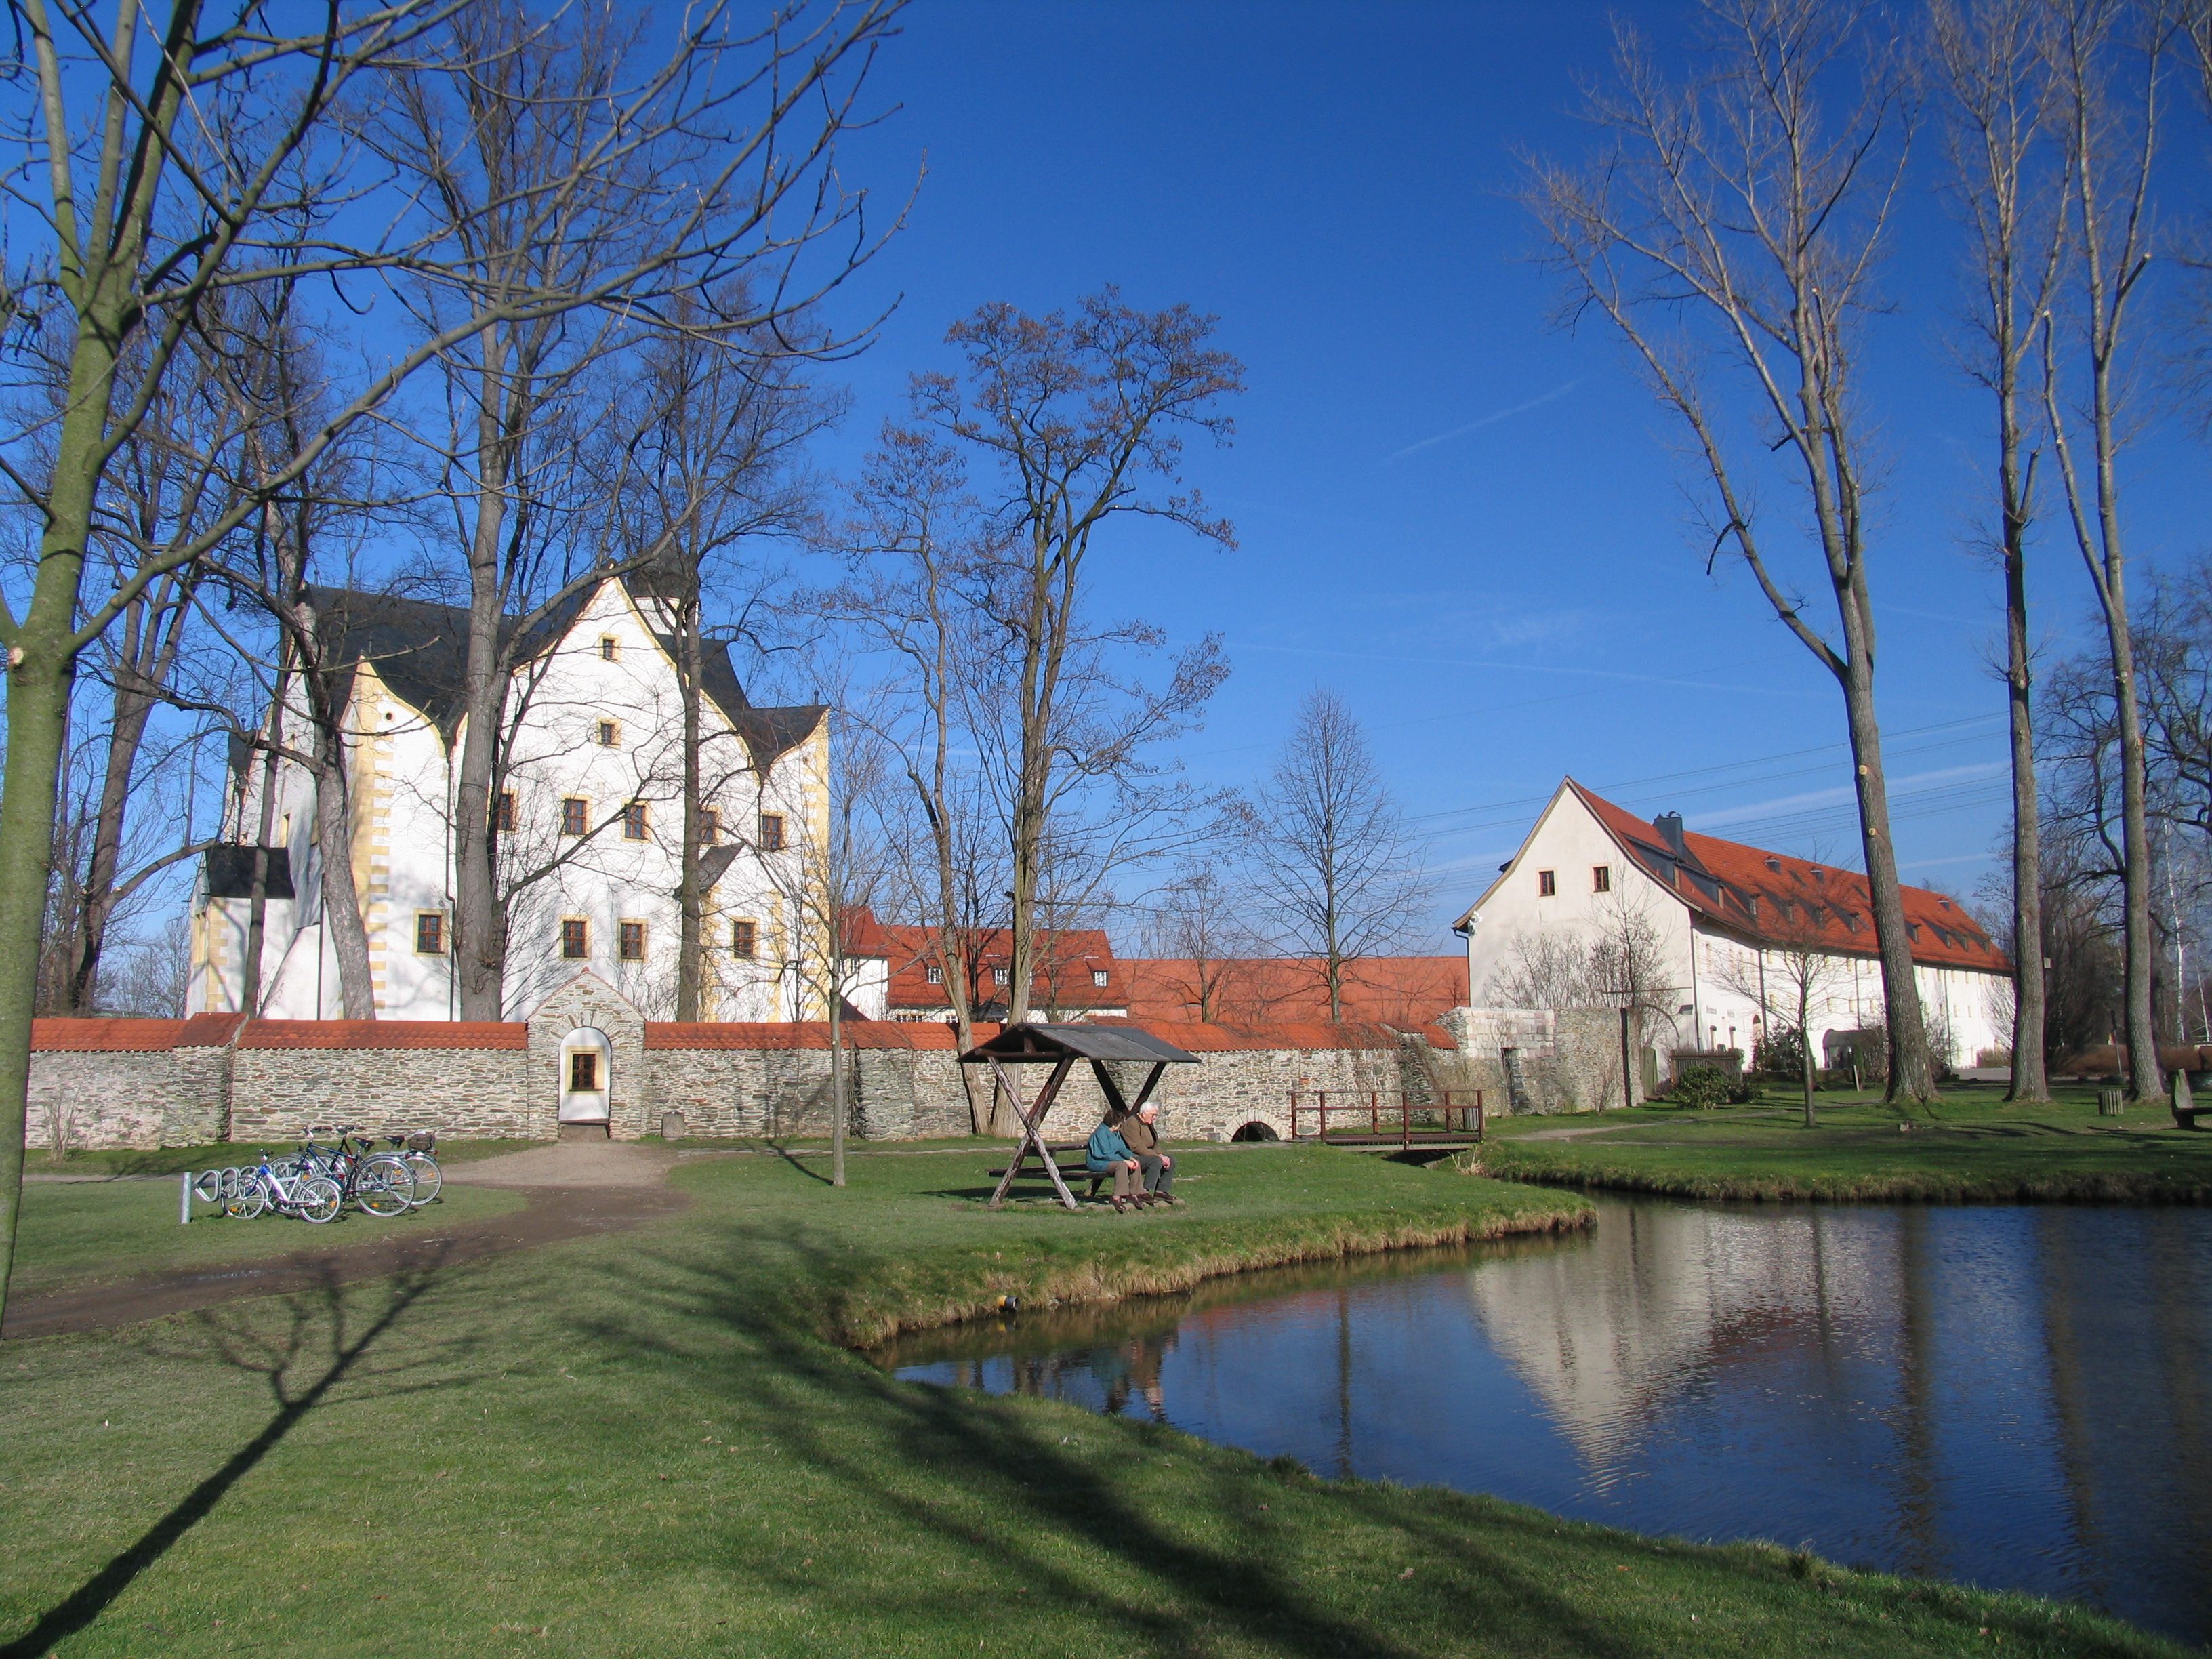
{"type": "Point", "coordinates": [146, 1082]}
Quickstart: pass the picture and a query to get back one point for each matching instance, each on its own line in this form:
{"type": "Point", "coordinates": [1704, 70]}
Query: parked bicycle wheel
{"type": "Point", "coordinates": [429, 1178]}
{"type": "Point", "coordinates": [318, 1200]}
{"type": "Point", "coordinates": [248, 1196]}
{"type": "Point", "coordinates": [384, 1187]}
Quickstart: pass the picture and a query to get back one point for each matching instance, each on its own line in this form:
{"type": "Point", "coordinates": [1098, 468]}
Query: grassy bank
{"type": "Point", "coordinates": [1971, 1148]}
{"type": "Point", "coordinates": [643, 1444]}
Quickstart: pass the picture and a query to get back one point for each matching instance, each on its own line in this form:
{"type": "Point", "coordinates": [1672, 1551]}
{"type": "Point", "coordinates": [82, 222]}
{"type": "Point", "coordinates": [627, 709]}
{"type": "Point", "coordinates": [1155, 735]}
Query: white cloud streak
{"type": "Point", "coordinates": [1490, 419]}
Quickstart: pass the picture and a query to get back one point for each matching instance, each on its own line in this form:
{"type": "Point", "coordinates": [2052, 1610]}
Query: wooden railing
{"type": "Point", "coordinates": [1369, 1114]}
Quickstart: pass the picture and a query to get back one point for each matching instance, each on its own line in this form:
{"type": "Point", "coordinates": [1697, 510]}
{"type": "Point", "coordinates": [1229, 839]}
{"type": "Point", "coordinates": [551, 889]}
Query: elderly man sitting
{"type": "Point", "coordinates": [1141, 1134]}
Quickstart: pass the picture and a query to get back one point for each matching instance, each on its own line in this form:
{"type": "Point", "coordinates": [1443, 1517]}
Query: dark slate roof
{"type": "Point", "coordinates": [230, 873]}
{"type": "Point", "coordinates": [1043, 1043]}
{"type": "Point", "coordinates": [419, 649]}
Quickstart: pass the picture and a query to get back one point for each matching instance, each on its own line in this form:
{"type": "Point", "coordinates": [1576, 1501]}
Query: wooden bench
{"type": "Point", "coordinates": [1078, 1170]}
{"type": "Point", "coordinates": [2184, 1117]}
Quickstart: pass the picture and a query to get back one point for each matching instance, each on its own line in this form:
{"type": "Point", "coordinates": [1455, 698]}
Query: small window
{"type": "Point", "coordinates": [575, 817]}
{"type": "Point", "coordinates": [429, 933]}
{"type": "Point", "coordinates": [575, 941]}
{"type": "Point", "coordinates": [1547, 883]}
{"type": "Point", "coordinates": [937, 976]}
{"type": "Point", "coordinates": [1601, 878]}
{"type": "Point", "coordinates": [502, 812]}
{"type": "Point", "coordinates": [771, 832]}
{"type": "Point", "coordinates": [610, 649]}
{"type": "Point", "coordinates": [744, 940]}
{"type": "Point", "coordinates": [609, 735]}
{"type": "Point", "coordinates": [1098, 976]}
{"type": "Point", "coordinates": [710, 826]}
{"type": "Point", "coordinates": [584, 1073]}
{"type": "Point", "coordinates": [629, 940]}
{"type": "Point", "coordinates": [633, 821]}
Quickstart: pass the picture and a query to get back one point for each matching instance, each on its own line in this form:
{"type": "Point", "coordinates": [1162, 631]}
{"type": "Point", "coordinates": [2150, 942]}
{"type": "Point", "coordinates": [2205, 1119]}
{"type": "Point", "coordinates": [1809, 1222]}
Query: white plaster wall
{"type": "Point", "coordinates": [402, 777]}
{"type": "Point", "coordinates": [1569, 841]}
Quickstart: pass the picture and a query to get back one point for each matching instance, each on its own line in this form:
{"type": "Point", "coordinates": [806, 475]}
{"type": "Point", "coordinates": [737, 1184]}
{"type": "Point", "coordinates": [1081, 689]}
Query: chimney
{"type": "Point", "coordinates": [1669, 825]}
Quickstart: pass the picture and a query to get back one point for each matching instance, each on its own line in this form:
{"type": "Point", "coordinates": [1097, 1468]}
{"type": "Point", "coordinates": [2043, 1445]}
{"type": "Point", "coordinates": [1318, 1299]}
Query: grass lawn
{"type": "Point", "coordinates": [1971, 1146]}
{"type": "Point", "coordinates": [644, 1445]}
{"type": "Point", "coordinates": [77, 1230]}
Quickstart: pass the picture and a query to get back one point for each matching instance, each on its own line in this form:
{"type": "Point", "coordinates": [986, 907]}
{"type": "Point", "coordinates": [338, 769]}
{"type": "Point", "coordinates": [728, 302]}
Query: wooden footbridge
{"type": "Point", "coordinates": [1450, 1119]}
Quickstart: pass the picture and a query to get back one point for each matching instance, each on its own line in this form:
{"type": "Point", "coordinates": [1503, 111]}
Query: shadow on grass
{"type": "Point", "coordinates": [324, 1342]}
{"type": "Point", "coordinates": [1055, 1517]}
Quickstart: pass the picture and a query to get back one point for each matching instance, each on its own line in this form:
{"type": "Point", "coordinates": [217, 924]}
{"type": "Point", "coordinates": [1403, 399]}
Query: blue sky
{"type": "Point", "coordinates": [1465, 522]}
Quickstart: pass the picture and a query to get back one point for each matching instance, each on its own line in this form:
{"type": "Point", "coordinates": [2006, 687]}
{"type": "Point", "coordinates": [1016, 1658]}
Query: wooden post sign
{"type": "Point", "coordinates": [1061, 1047]}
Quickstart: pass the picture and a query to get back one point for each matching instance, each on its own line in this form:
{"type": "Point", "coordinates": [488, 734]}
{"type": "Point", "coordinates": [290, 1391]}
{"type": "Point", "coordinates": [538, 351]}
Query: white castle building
{"type": "Point", "coordinates": [1725, 916]}
{"type": "Point", "coordinates": [591, 820]}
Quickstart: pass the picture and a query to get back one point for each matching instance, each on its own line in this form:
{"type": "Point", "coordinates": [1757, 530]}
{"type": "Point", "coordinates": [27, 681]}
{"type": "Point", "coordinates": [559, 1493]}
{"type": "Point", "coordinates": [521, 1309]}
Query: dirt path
{"type": "Point", "coordinates": [576, 1190]}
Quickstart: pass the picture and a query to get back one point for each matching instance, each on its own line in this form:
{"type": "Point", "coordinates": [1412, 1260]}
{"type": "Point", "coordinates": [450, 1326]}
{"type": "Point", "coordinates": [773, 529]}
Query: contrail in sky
{"type": "Point", "coordinates": [1490, 419]}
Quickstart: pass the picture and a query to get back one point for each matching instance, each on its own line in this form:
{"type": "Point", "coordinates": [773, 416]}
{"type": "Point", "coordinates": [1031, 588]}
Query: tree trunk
{"type": "Point", "coordinates": [38, 712]}
{"type": "Point", "coordinates": [691, 938]}
{"type": "Point", "coordinates": [837, 1062]}
{"type": "Point", "coordinates": [257, 914]}
{"type": "Point", "coordinates": [479, 927]}
{"type": "Point", "coordinates": [96, 905]}
{"type": "Point", "coordinates": [2029, 1082]}
{"type": "Point", "coordinates": [349, 939]}
{"type": "Point", "coordinates": [2145, 1078]}
{"type": "Point", "coordinates": [1911, 1077]}
{"type": "Point", "coordinates": [1805, 1044]}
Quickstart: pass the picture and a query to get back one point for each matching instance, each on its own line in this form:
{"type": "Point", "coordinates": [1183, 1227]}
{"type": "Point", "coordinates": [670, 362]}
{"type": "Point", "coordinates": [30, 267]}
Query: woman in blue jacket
{"type": "Point", "coordinates": [1109, 1152]}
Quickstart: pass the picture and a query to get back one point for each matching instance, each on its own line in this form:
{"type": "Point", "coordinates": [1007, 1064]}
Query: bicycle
{"type": "Point", "coordinates": [417, 1150]}
{"type": "Point", "coordinates": [379, 1183]}
{"type": "Point", "coordinates": [299, 1194]}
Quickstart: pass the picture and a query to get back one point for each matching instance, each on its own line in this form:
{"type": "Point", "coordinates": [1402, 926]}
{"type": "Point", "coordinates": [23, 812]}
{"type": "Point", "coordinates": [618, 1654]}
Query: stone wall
{"type": "Point", "coordinates": [145, 1083]}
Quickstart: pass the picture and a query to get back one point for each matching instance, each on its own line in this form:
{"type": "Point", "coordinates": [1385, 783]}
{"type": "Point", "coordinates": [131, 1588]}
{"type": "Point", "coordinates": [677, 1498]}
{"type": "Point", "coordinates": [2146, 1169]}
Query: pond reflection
{"type": "Point", "coordinates": [2004, 1396]}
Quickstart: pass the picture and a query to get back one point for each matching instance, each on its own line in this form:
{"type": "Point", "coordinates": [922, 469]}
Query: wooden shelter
{"type": "Point", "coordinates": [1061, 1047]}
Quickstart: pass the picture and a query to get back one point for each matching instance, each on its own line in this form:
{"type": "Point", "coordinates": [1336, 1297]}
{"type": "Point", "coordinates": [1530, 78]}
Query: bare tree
{"type": "Point", "coordinates": [2011, 179]}
{"type": "Point", "coordinates": [1331, 861]}
{"type": "Point", "coordinates": [595, 184]}
{"type": "Point", "coordinates": [712, 461]}
{"type": "Point", "coordinates": [1544, 968]}
{"type": "Point", "coordinates": [916, 538]}
{"type": "Point", "coordinates": [1205, 921]}
{"type": "Point", "coordinates": [1628, 970]}
{"type": "Point", "coordinates": [201, 165]}
{"type": "Point", "coordinates": [1079, 416]}
{"type": "Point", "coordinates": [2109, 60]}
{"type": "Point", "coordinates": [1730, 235]}
{"type": "Point", "coordinates": [1789, 970]}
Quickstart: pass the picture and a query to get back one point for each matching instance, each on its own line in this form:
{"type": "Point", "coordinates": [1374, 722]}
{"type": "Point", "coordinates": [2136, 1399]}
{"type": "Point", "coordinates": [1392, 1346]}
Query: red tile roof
{"type": "Point", "coordinates": [1066, 964]}
{"type": "Point", "coordinates": [384, 1034]}
{"type": "Point", "coordinates": [112, 1036]}
{"type": "Point", "coordinates": [803, 1034]}
{"type": "Point", "coordinates": [1783, 902]}
{"type": "Point", "coordinates": [1395, 990]}
{"type": "Point", "coordinates": [1311, 1036]}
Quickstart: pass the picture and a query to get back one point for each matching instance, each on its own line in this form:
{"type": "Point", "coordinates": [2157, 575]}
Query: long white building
{"type": "Point", "coordinates": [1724, 914]}
{"type": "Point", "coordinates": [591, 820]}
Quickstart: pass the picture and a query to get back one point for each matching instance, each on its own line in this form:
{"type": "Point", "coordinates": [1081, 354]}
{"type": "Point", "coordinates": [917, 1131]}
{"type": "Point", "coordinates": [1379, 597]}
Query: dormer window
{"type": "Point", "coordinates": [936, 976]}
{"type": "Point", "coordinates": [1098, 977]}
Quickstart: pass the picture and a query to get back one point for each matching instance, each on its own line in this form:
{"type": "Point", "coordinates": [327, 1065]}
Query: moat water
{"type": "Point", "coordinates": [2011, 1397]}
